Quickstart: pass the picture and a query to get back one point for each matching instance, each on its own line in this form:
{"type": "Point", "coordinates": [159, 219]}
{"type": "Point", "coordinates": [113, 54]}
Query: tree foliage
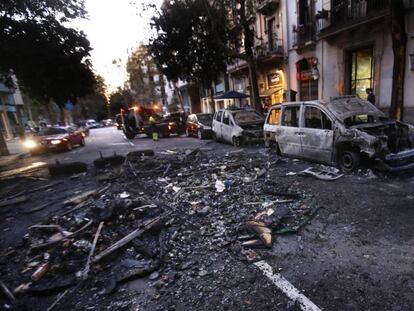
{"type": "Point", "coordinates": [142, 73]}
{"type": "Point", "coordinates": [196, 39]}
{"type": "Point", "coordinates": [49, 58]}
{"type": "Point", "coordinates": [190, 41]}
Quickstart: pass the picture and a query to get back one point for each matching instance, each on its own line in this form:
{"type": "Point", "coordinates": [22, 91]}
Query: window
{"type": "Point", "coordinates": [291, 116]}
{"type": "Point", "coordinates": [309, 90]}
{"type": "Point", "coordinates": [316, 119]}
{"type": "Point", "coordinates": [274, 116]}
{"type": "Point", "coordinates": [219, 114]}
{"type": "Point", "coordinates": [361, 72]}
{"type": "Point", "coordinates": [226, 118]}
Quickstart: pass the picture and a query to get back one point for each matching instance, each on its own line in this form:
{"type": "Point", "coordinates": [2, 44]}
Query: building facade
{"type": "Point", "coordinates": [11, 111]}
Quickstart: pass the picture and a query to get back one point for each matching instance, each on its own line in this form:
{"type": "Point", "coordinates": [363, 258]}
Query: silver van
{"type": "Point", "coordinates": [342, 131]}
{"type": "Point", "coordinates": [238, 126]}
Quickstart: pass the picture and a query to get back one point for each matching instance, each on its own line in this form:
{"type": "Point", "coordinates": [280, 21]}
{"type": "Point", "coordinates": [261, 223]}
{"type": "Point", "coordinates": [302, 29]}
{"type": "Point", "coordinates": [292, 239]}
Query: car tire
{"type": "Point", "coordinates": [69, 146]}
{"type": "Point", "coordinates": [187, 133]}
{"type": "Point", "coordinates": [237, 141]}
{"type": "Point", "coordinates": [200, 134]}
{"type": "Point", "coordinates": [82, 143]}
{"type": "Point", "coordinates": [349, 160]}
{"type": "Point", "coordinates": [129, 135]}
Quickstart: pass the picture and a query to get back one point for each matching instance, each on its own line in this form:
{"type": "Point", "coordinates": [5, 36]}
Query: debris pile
{"type": "Point", "coordinates": [183, 220]}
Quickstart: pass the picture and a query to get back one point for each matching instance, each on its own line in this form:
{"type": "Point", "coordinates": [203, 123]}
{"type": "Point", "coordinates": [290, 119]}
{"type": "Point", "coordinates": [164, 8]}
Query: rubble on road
{"type": "Point", "coordinates": [183, 219]}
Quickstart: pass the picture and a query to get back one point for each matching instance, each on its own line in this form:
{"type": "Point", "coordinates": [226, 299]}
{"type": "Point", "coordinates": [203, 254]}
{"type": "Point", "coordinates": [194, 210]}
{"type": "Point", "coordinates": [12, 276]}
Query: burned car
{"type": "Point", "coordinates": [238, 126]}
{"type": "Point", "coordinates": [341, 131]}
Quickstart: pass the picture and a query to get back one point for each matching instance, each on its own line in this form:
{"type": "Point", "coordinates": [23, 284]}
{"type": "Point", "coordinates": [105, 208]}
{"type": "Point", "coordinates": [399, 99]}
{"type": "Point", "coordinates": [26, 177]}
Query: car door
{"type": "Point", "coordinates": [73, 137]}
{"type": "Point", "coordinates": [226, 127]}
{"type": "Point", "coordinates": [272, 124]}
{"type": "Point", "coordinates": [289, 135]}
{"type": "Point", "coordinates": [317, 134]}
{"type": "Point", "coordinates": [217, 124]}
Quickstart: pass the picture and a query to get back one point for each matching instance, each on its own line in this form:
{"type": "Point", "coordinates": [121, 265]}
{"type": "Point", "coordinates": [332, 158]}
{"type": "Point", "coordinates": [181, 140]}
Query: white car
{"type": "Point", "coordinates": [343, 131]}
{"type": "Point", "coordinates": [238, 126]}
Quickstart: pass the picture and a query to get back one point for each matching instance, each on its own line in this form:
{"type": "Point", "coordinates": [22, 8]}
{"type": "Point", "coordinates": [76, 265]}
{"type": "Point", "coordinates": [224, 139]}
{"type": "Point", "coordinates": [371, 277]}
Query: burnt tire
{"type": "Point", "coordinates": [237, 141]}
{"type": "Point", "coordinates": [349, 160]}
{"type": "Point", "coordinates": [109, 161]}
{"type": "Point", "coordinates": [67, 169]}
{"type": "Point", "coordinates": [129, 135]}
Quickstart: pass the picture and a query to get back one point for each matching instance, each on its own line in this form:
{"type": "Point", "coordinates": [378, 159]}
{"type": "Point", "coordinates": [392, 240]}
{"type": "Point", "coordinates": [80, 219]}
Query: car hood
{"type": "Point", "coordinates": [346, 108]}
{"type": "Point", "coordinates": [52, 137]}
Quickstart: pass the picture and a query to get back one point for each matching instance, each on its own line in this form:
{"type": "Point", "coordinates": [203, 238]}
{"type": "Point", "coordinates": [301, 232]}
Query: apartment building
{"type": "Point", "coordinates": [340, 47]}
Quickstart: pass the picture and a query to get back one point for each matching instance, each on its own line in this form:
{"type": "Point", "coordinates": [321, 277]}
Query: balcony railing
{"type": "Point", "coordinates": [304, 34]}
{"type": "Point", "coordinates": [347, 13]}
{"type": "Point", "coordinates": [273, 47]}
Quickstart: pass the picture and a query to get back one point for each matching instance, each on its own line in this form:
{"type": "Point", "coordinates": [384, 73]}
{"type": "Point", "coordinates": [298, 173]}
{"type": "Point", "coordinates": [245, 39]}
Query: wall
{"type": "Point", "coordinates": [409, 74]}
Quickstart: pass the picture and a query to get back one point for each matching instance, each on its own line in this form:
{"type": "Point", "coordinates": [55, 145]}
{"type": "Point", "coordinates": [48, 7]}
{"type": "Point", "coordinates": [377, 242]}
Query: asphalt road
{"type": "Point", "coordinates": [110, 140]}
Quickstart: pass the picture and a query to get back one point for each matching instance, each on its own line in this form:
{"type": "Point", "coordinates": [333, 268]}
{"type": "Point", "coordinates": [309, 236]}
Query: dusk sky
{"type": "Point", "coordinates": [114, 28]}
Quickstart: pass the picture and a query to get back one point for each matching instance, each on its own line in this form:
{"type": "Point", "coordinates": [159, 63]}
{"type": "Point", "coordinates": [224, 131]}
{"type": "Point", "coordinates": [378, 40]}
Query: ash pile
{"type": "Point", "coordinates": [183, 228]}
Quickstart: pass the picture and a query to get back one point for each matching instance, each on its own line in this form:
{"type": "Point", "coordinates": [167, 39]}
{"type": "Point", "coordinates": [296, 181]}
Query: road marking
{"type": "Point", "coordinates": [286, 287]}
{"type": "Point", "coordinates": [114, 144]}
{"type": "Point", "coordinates": [128, 140]}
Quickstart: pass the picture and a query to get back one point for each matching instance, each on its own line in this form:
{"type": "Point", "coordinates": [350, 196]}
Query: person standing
{"type": "Point", "coordinates": [371, 96]}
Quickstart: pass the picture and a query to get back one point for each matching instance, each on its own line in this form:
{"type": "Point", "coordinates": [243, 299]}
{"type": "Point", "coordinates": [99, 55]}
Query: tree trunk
{"type": "Point", "coordinates": [180, 98]}
{"type": "Point", "coordinates": [399, 47]}
{"type": "Point", "coordinates": [248, 47]}
{"type": "Point", "coordinates": [213, 103]}
{"type": "Point", "coordinates": [3, 146]}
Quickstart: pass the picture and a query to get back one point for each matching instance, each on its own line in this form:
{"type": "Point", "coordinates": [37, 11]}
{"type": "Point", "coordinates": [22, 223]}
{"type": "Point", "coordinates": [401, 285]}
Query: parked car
{"type": "Point", "coordinates": [179, 118]}
{"type": "Point", "coordinates": [55, 138]}
{"type": "Point", "coordinates": [340, 131]}
{"type": "Point", "coordinates": [238, 126]}
{"type": "Point", "coordinates": [199, 125]}
{"type": "Point", "coordinates": [92, 124]}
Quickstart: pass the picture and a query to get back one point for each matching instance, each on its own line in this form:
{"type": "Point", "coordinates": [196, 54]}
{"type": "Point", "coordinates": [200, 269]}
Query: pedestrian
{"type": "Point", "coordinates": [371, 96]}
{"type": "Point", "coordinates": [153, 128]}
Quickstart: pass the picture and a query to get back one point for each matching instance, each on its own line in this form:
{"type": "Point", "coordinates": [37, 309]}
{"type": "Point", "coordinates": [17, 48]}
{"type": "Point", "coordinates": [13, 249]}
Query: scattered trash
{"type": "Point", "coordinates": [220, 186]}
{"type": "Point", "coordinates": [322, 173]}
{"type": "Point", "coordinates": [67, 168]}
{"type": "Point", "coordinates": [40, 272]}
{"type": "Point", "coordinates": [124, 195]}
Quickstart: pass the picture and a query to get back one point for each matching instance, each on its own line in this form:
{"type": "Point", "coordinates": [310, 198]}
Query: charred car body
{"type": "Point", "coordinates": [340, 131]}
{"type": "Point", "coordinates": [238, 126]}
{"type": "Point", "coordinates": [136, 120]}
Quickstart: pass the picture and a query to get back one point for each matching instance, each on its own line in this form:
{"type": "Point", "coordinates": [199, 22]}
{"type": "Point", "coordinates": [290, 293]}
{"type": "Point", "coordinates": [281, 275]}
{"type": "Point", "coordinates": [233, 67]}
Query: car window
{"type": "Point", "coordinates": [219, 114]}
{"type": "Point", "coordinates": [274, 116]}
{"type": "Point", "coordinates": [52, 131]}
{"type": "Point", "coordinates": [226, 118]}
{"type": "Point", "coordinates": [290, 116]}
{"type": "Point", "coordinates": [316, 119]}
{"type": "Point", "coordinates": [360, 119]}
{"type": "Point", "coordinates": [205, 119]}
{"type": "Point", "coordinates": [241, 117]}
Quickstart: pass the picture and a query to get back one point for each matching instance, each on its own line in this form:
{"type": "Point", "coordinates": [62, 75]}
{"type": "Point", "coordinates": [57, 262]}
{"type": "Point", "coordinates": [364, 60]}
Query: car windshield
{"type": "Point", "coordinates": [206, 119]}
{"type": "Point", "coordinates": [242, 117]}
{"type": "Point", "coordinates": [52, 131]}
{"type": "Point", "coordinates": [362, 118]}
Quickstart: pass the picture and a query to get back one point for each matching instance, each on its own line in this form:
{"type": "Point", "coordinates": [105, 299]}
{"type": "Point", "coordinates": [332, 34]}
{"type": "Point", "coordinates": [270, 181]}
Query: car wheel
{"type": "Point", "coordinates": [237, 141]}
{"type": "Point", "coordinates": [200, 134]}
{"type": "Point", "coordinates": [68, 146]}
{"type": "Point", "coordinates": [349, 160]}
{"type": "Point", "coordinates": [187, 132]}
{"type": "Point", "coordinates": [82, 143]}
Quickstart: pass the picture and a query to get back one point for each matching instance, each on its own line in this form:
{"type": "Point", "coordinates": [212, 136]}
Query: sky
{"type": "Point", "coordinates": [114, 28]}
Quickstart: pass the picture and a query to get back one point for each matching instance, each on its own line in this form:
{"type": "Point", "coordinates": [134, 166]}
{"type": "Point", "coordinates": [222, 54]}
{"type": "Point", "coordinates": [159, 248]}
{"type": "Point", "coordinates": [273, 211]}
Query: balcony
{"type": "Point", "coordinates": [304, 35]}
{"type": "Point", "coordinates": [270, 49]}
{"type": "Point", "coordinates": [267, 7]}
{"type": "Point", "coordinates": [349, 14]}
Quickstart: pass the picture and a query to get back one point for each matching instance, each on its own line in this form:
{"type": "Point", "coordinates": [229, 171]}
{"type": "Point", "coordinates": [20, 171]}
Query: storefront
{"type": "Point", "coordinates": [307, 74]}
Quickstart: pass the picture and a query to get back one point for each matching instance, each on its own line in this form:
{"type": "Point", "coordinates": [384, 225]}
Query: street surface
{"type": "Point", "coordinates": [355, 253]}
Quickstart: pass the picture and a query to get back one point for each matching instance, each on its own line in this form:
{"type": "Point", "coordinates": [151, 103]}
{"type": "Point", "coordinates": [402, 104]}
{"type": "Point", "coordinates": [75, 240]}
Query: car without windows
{"type": "Point", "coordinates": [238, 126]}
{"type": "Point", "coordinates": [199, 125]}
{"type": "Point", "coordinates": [340, 131]}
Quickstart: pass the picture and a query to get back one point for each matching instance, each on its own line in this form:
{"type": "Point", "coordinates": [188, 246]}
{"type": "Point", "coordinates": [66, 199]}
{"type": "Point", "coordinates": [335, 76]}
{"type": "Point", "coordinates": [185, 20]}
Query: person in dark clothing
{"type": "Point", "coordinates": [371, 96]}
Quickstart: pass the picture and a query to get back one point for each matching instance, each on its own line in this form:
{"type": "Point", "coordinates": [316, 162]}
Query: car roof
{"type": "Point", "coordinates": [342, 106]}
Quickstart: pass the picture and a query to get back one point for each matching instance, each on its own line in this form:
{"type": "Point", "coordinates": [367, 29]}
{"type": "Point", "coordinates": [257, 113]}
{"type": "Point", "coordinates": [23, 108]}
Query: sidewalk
{"type": "Point", "coordinates": [16, 151]}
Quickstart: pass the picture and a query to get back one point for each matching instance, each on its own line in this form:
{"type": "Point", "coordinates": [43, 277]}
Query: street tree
{"type": "Point", "coordinates": [49, 59]}
{"type": "Point", "coordinates": [143, 77]}
{"type": "Point", "coordinates": [190, 41]}
{"type": "Point", "coordinates": [120, 99]}
{"type": "Point", "coordinates": [196, 39]}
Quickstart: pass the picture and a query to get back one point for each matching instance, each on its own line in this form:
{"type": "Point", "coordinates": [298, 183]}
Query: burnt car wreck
{"type": "Point", "coordinates": [343, 131]}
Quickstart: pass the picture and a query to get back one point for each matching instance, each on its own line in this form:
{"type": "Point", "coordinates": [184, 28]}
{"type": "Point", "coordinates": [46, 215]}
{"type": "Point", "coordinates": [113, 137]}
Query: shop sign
{"type": "Point", "coordinates": [273, 79]}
